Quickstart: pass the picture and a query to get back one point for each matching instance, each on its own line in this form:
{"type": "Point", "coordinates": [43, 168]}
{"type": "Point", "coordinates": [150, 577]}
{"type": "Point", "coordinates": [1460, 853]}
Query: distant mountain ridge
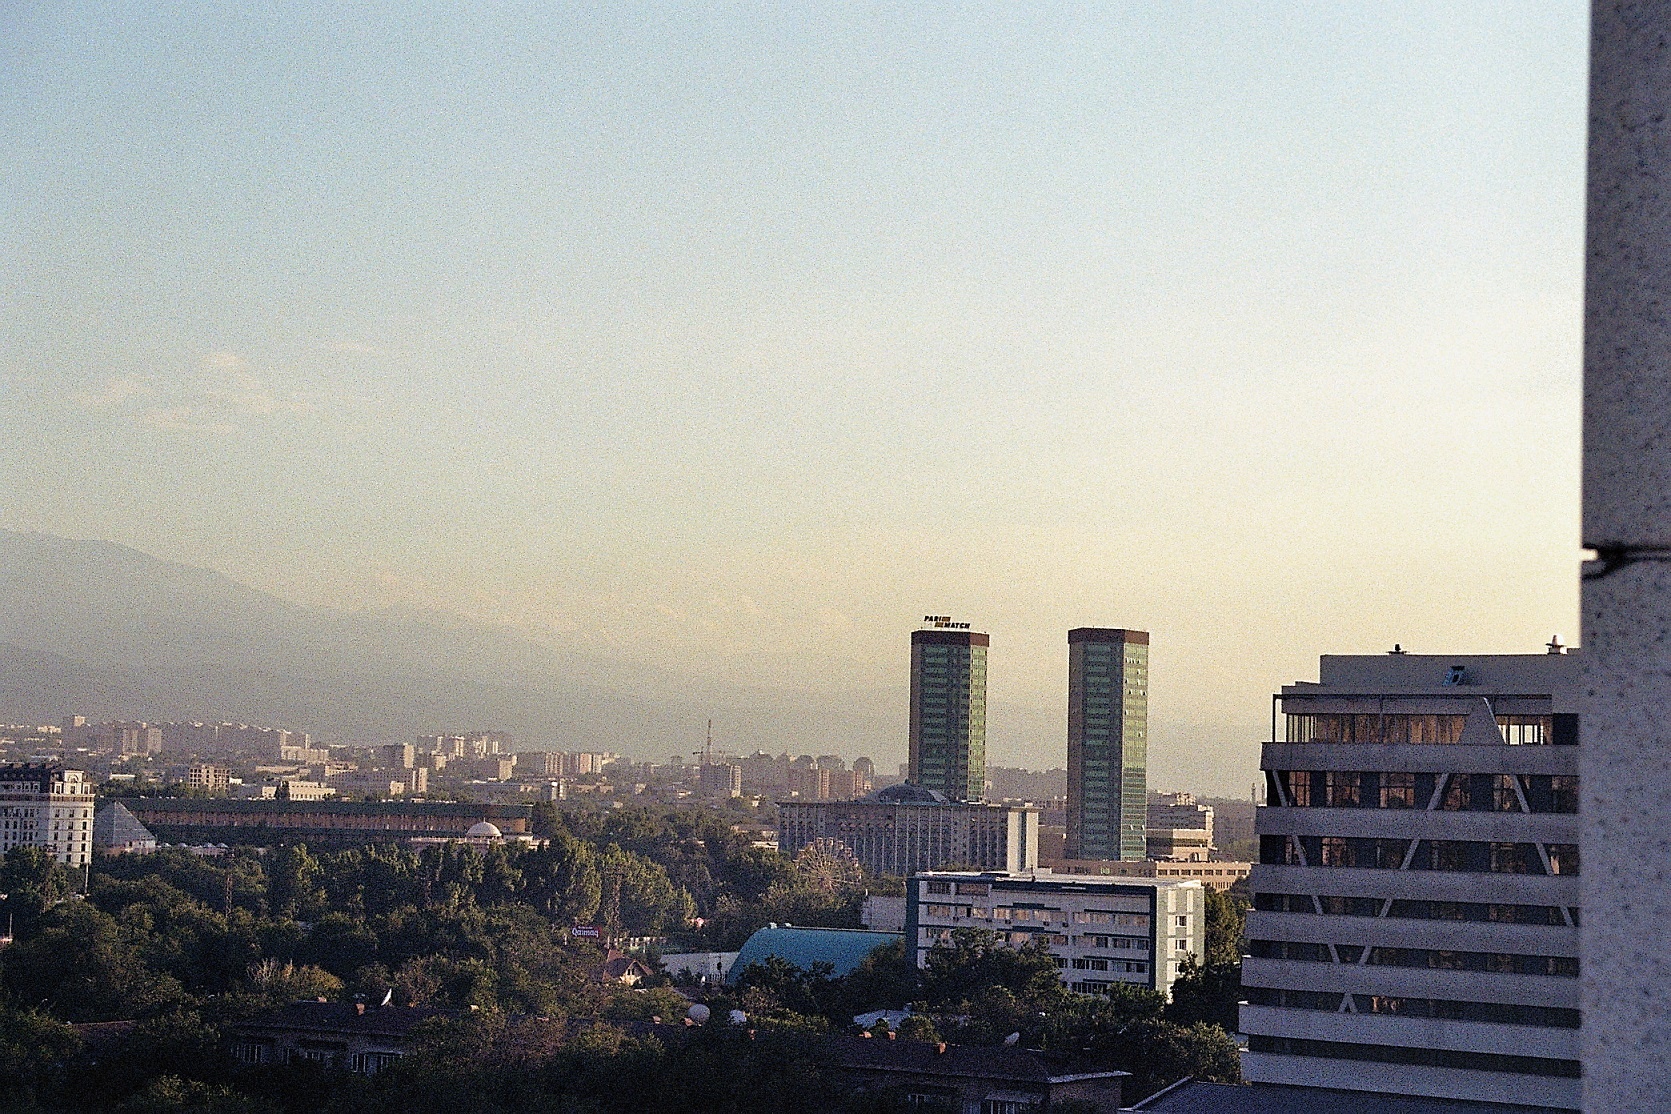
{"type": "Point", "coordinates": [102, 630]}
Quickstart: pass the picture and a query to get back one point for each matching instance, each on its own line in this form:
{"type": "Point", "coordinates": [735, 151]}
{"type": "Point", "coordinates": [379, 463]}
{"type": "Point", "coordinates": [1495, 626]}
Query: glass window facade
{"type": "Point", "coordinates": [948, 713]}
{"type": "Point", "coordinates": [1108, 746]}
{"type": "Point", "coordinates": [1461, 792]}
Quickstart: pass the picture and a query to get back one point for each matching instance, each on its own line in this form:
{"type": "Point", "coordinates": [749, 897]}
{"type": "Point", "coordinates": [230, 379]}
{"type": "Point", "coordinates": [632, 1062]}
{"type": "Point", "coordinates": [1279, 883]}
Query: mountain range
{"type": "Point", "coordinates": [98, 629]}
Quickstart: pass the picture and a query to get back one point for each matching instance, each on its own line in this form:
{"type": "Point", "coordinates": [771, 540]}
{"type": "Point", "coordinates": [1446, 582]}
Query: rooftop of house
{"type": "Point", "coordinates": [344, 1018]}
{"type": "Point", "coordinates": [1011, 1065]}
{"type": "Point", "coordinates": [620, 966]}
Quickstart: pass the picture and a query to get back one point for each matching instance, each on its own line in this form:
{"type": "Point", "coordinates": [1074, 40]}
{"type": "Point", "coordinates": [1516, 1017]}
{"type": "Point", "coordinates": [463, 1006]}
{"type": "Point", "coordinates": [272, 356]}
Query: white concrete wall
{"type": "Point", "coordinates": [1359, 1075]}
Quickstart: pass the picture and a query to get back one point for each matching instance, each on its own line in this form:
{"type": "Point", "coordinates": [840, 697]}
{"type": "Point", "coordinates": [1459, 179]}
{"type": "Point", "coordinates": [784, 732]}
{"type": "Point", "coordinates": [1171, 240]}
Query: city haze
{"type": "Point", "coordinates": [723, 346]}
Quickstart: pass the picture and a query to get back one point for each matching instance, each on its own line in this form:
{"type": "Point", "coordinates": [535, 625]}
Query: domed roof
{"type": "Point", "coordinates": [907, 794]}
{"type": "Point", "coordinates": [484, 830]}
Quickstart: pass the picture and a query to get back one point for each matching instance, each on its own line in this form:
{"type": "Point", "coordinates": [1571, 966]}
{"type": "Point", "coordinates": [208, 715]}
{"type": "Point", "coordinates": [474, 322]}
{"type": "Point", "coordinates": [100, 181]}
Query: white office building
{"type": "Point", "coordinates": [905, 828]}
{"type": "Point", "coordinates": [1179, 828]}
{"type": "Point", "coordinates": [1415, 924]}
{"type": "Point", "coordinates": [48, 807]}
{"type": "Point", "coordinates": [1100, 930]}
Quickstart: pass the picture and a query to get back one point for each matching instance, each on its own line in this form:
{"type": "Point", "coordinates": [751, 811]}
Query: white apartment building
{"type": "Point", "coordinates": [48, 807]}
{"type": "Point", "coordinates": [1416, 906]}
{"type": "Point", "coordinates": [1100, 930]}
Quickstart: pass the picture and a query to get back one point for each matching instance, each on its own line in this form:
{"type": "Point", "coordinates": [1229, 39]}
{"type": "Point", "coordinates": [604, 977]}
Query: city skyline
{"type": "Point", "coordinates": [697, 340]}
{"type": "Point", "coordinates": [428, 425]}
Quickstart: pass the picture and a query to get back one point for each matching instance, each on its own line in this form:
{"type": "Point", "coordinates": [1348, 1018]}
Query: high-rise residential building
{"type": "Point", "coordinates": [540, 763]}
{"type": "Point", "coordinates": [76, 731]}
{"type": "Point", "coordinates": [46, 806]}
{"type": "Point", "coordinates": [1416, 903]}
{"type": "Point", "coordinates": [191, 738]}
{"type": "Point", "coordinates": [591, 762]}
{"type": "Point", "coordinates": [135, 739]}
{"type": "Point", "coordinates": [843, 784]}
{"type": "Point", "coordinates": [1108, 743]}
{"type": "Point", "coordinates": [948, 710]}
{"type": "Point", "coordinates": [722, 779]}
{"type": "Point", "coordinates": [810, 785]}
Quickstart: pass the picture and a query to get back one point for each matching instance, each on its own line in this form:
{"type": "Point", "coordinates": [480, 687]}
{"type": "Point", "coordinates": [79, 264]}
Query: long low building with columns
{"type": "Point", "coordinates": [320, 823]}
{"type": "Point", "coordinates": [905, 828]}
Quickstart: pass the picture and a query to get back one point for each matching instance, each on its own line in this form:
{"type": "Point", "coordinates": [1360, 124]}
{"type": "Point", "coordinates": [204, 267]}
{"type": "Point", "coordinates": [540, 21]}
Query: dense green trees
{"type": "Point", "coordinates": [1226, 928]}
{"type": "Point", "coordinates": [995, 990]}
{"type": "Point", "coordinates": [180, 946]}
{"type": "Point", "coordinates": [183, 944]}
{"type": "Point", "coordinates": [1210, 991]}
{"type": "Point", "coordinates": [978, 990]}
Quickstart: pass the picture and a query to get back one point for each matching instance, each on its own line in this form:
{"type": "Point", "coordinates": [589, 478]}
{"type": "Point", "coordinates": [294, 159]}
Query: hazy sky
{"type": "Point", "coordinates": [736, 338]}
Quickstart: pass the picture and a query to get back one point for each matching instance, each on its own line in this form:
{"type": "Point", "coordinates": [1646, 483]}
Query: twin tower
{"type": "Point", "coordinates": [1108, 729]}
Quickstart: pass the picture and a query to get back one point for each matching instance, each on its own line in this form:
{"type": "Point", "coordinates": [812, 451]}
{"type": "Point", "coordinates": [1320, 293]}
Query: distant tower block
{"type": "Point", "coordinates": [1108, 742]}
{"type": "Point", "coordinates": [948, 709]}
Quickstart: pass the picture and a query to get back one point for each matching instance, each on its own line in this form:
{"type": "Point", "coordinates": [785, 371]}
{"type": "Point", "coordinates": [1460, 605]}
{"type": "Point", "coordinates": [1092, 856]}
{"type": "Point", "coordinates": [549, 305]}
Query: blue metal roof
{"type": "Point", "coordinates": [842, 948]}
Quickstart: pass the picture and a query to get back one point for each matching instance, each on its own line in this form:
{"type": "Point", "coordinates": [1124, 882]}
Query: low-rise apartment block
{"type": "Point", "coordinates": [377, 783]}
{"type": "Point", "coordinates": [1101, 930]}
{"type": "Point", "coordinates": [207, 777]}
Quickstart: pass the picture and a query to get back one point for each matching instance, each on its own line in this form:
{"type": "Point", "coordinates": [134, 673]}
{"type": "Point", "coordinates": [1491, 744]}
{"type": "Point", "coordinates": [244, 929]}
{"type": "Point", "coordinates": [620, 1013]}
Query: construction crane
{"type": "Point", "coordinates": [707, 751]}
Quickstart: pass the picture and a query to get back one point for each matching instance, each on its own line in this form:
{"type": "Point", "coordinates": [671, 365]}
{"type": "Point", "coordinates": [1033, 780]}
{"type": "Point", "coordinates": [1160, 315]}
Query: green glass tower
{"type": "Point", "coordinates": [948, 712]}
{"type": "Point", "coordinates": [1108, 742]}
